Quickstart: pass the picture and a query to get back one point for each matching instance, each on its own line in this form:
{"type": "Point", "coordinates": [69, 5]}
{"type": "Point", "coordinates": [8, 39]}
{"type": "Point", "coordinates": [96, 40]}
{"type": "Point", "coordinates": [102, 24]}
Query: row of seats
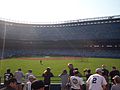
{"type": "Point", "coordinates": [100, 31]}
{"type": "Point", "coordinates": [26, 40]}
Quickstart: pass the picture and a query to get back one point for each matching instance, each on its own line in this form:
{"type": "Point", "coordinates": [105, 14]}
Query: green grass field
{"type": "Point", "coordinates": [56, 65]}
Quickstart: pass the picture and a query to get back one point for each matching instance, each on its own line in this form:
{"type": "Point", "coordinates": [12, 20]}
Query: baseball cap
{"type": "Point", "coordinates": [37, 84]}
{"type": "Point", "coordinates": [116, 76]}
{"type": "Point", "coordinates": [75, 72]}
{"type": "Point", "coordinates": [48, 68]}
{"type": "Point", "coordinates": [31, 76]}
{"type": "Point", "coordinates": [98, 70]}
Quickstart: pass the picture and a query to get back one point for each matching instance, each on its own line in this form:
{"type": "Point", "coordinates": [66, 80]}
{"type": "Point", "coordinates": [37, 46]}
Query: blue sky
{"type": "Point", "coordinates": [57, 10]}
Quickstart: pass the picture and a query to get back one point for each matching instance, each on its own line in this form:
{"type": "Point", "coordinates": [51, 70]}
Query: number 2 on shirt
{"type": "Point", "coordinates": [94, 80]}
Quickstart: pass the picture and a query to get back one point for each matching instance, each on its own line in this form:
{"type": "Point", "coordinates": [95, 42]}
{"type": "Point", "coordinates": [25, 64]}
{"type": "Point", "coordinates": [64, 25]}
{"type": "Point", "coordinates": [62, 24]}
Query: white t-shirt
{"type": "Point", "coordinates": [27, 86]}
{"type": "Point", "coordinates": [27, 75]}
{"type": "Point", "coordinates": [76, 82]}
{"type": "Point", "coordinates": [95, 82]}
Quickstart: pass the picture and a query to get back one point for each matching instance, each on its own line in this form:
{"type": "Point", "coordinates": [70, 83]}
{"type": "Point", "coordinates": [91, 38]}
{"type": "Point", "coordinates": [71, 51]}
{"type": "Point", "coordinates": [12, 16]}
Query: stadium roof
{"type": "Point", "coordinates": [69, 21]}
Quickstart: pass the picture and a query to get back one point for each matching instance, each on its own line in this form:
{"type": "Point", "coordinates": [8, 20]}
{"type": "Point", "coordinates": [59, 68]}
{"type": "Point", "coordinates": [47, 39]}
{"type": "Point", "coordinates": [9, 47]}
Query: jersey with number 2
{"type": "Point", "coordinates": [96, 81]}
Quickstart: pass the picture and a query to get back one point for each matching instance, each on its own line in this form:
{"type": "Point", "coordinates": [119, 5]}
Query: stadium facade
{"type": "Point", "coordinates": [92, 37]}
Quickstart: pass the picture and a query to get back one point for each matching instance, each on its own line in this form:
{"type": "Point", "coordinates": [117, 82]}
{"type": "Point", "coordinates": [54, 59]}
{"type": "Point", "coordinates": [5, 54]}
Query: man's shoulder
{"type": "Point", "coordinates": [96, 75]}
{"type": "Point", "coordinates": [115, 87]}
{"type": "Point", "coordinates": [72, 76]}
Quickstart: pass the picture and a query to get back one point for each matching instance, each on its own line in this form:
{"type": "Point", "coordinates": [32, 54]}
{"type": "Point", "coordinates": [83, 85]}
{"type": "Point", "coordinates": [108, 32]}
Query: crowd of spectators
{"type": "Point", "coordinates": [70, 80]}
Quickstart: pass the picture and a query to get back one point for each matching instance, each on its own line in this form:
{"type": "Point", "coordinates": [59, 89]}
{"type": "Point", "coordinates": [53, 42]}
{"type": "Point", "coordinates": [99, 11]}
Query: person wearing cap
{"type": "Point", "coordinates": [105, 72]}
{"type": "Point", "coordinates": [96, 81]}
{"type": "Point", "coordinates": [31, 78]}
{"type": "Point", "coordinates": [116, 86]}
{"type": "Point", "coordinates": [28, 74]}
{"type": "Point", "coordinates": [47, 77]}
{"type": "Point", "coordinates": [75, 81]}
{"type": "Point", "coordinates": [38, 85]}
{"type": "Point", "coordinates": [64, 79]}
{"type": "Point", "coordinates": [71, 69]}
{"type": "Point", "coordinates": [87, 73]}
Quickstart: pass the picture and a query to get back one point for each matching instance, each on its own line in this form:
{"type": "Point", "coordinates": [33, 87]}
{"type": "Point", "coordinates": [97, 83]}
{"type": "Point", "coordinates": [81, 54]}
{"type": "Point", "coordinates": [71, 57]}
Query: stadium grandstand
{"type": "Point", "coordinates": [91, 37]}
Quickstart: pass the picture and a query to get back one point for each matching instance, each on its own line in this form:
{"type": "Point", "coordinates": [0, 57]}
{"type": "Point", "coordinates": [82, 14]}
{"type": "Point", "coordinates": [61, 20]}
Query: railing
{"type": "Point", "coordinates": [55, 79]}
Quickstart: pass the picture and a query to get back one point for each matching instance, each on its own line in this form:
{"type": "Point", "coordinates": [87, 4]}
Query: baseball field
{"type": "Point", "coordinates": [57, 64]}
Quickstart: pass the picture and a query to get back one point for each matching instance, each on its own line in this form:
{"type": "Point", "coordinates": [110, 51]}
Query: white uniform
{"type": "Point", "coordinates": [95, 82]}
{"type": "Point", "coordinates": [76, 82]}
